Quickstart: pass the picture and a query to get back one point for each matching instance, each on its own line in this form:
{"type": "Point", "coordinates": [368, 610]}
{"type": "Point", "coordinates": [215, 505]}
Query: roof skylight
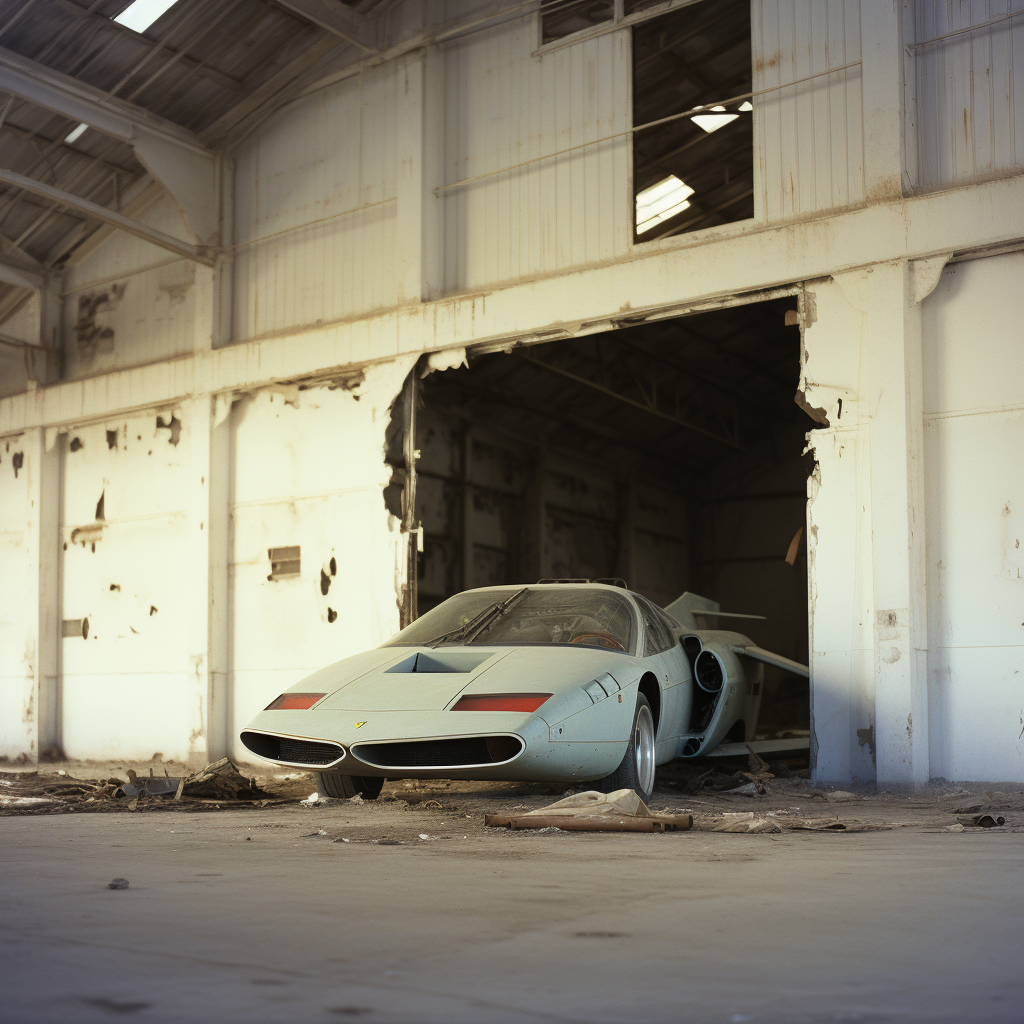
{"type": "Point", "coordinates": [659, 202]}
{"type": "Point", "coordinates": [140, 14]}
{"type": "Point", "coordinates": [76, 133]}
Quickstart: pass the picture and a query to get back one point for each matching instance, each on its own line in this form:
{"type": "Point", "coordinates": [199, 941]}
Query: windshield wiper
{"type": "Point", "coordinates": [468, 632]}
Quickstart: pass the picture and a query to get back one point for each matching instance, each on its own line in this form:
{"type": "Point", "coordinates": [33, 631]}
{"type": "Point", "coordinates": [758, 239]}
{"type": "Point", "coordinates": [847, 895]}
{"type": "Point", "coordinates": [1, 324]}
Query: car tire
{"type": "Point", "coordinates": [637, 769]}
{"type": "Point", "coordinates": [342, 787]}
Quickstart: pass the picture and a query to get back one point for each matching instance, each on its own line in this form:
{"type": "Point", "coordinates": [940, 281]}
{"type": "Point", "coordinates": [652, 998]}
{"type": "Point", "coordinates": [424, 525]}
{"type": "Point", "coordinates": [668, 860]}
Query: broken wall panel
{"type": "Point", "coordinates": [125, 679]}
{"type": "Point", "coordinates": [118, 314]}
{"type": "Point", "coordinates": [309, 472]}
{"type": "Point", "coordinates": [974, 437]}
{"type": "Point", "coordinates": [315, 208]}
{"type": "Point", "coordinates": [808, 138]}
{"type": "Point", "coordinates": [504, 106]}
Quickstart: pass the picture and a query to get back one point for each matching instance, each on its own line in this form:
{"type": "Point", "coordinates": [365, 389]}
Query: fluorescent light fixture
{"type": "Point", "coordinates": [746, 106]}
{"type": "Point", "coordinates": [660, 201]}
{"type": "Point", "coordinates": [138, 16]}
{"type": "Point", "coordinates": [712, 122]}
{"type": "Point", "coordinates": [77, 133]}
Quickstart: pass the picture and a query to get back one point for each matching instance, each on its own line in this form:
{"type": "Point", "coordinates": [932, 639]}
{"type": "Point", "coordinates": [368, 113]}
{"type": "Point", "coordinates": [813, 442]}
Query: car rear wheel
{"type": "Point", "coordinates": [346, 786]}
{"type": "Point", "coordinates": [637, 769]}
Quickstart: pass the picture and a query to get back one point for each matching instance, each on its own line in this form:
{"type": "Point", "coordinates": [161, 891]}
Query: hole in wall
{"type": "Point", "coordinates": [334, 566]}
{"type": "Point", "coordinates": [100, 504]}
{"type": "Point", "coordinates": [325, 582]}
{"type": "Point", "coordinates": [111, 438]}
{"type": "Point", "coordinates": [331, 615]}
{"type": "Point", "coordinates": [173, 425]}
{"type": "Point", "coordinates": [17, 461]}
{"type": "Point", "coordinates": [76, 444]}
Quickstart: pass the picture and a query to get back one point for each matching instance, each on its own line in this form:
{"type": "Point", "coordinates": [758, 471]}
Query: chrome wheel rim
{"type": "Point", "coordinates": [643, 749]}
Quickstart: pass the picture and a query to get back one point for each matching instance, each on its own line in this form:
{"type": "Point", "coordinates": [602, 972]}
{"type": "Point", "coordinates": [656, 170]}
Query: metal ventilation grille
{"type": "Point", "coordinates": [473, 750]}
{"type": "Point", "coordinates": [283, 748]}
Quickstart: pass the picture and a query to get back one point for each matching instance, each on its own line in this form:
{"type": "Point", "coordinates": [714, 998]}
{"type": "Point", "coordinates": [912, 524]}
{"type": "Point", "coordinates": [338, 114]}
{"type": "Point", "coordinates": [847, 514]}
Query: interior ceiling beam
{"type": "Point", "coordinates": [593, 385]}
{"type": "Point", "coordinates": [193, 252]}
{"type": "Point", "coordinates": [469, 391]}
{"type": "Point", "coordinates": [172, 154]}
{"type": "Point", "coordinates": [21, 277]}
{"type": "Point", "coordinates": [622, 338]}
{"type": "Point", "coordinates": [338, 19]}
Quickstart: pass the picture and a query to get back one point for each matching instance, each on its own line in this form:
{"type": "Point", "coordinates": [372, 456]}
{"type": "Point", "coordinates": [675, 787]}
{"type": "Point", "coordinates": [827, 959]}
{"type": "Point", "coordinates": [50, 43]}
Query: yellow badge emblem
{"type": "Point", "coordinates": [359, 725]}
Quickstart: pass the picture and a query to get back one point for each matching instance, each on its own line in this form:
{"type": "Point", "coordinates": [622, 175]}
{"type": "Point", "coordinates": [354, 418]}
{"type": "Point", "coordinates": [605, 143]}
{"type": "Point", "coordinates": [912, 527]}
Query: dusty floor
{"type": "Point", "coordinates": [266, 914]}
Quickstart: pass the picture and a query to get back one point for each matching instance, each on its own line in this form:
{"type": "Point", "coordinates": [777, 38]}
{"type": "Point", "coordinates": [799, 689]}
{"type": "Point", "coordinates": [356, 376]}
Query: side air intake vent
{"type": "Point", "coordinates": [306, 753]}
{"type": "Point", "coordinates": [466, 752]}
{"type": "Point", "coordinates": [709, 672]}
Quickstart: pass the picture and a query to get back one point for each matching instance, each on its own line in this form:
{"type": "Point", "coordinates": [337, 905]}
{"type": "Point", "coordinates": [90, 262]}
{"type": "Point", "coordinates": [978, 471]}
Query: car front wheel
{"type": "Point", "coordinates": [636, 771]}
{"type": "Point", "coordinates": [340, 786]}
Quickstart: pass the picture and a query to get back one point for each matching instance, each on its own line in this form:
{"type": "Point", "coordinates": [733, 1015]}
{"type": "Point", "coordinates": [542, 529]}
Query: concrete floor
{"type": "Point", "coordinates": [257, 916]}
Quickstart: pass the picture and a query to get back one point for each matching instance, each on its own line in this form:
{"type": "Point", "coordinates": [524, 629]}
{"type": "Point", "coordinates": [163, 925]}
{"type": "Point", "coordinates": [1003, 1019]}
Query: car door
{"type": "Point", "coordinates": [665, 656]}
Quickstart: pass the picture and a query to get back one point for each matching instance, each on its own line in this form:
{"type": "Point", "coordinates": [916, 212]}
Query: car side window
{"type": "Point", "coordinates": [657, 638]}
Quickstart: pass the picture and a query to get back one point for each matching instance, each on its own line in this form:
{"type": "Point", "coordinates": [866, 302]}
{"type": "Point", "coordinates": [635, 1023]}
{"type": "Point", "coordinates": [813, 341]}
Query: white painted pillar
{"type": "Point", "coordinates": [895, 407]}
{"type": "Point", "coordinates": [882, 77]}
{"type": "Point", "coordinates": [419, 245]}
{"type": "Point", "coordinates": [40, 702]}
{"type": "Point", "coordinates": [206, 576]}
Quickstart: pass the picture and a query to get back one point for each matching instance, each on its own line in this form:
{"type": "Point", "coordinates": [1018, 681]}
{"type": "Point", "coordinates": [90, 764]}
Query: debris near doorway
{"type": "Point", "coordinates": [620, 811]}
{"type": "Point", "coordinates": [216, 784]}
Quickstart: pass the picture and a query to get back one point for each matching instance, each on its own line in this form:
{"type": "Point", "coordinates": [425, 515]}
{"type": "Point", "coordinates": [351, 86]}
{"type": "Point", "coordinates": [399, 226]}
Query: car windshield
{"type": "Point", "coordinates": [586, 617]}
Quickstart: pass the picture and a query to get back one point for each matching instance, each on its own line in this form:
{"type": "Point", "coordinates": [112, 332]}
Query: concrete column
{"type": "Point", "coordinates": [882, 77]}
{"type": "Point", "coordinates": [206, 576]}
{"type": "Point", "coordinates": [420, 134]}
{"type": "Point", "coordinates": [40, 702]}
{"type": "Point", "coordinates": [895, 402]}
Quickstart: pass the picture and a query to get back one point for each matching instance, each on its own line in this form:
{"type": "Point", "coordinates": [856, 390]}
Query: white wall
{"type": "Point", "coordinates": [117, 313]}
{"type": "Point", "coordinates": [503, 106]}
{"type": "Point", "coordinates": [964, 92]}
{"type": "Point", "coordinates": [125, 688]}
{"type": "Point", "coordinates": [315, 208]}
{"type": "Point", "coordinates": [808, 138]}
{"type": "Point", "coordinates": [308, 470]}
{"type": "Point", "coordinates": [974, 473]}
{"type": "Point", "coordinates": [17, 563]}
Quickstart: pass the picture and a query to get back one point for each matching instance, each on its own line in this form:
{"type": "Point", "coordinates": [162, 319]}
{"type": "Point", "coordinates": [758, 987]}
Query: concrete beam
{"type": "Point", "coordinates": [172, 154]}
{"type": "Point", "coordinates": [337, 19]}
{"type": "Point", "coordinates": [670, 279]}
{"type": "Point", "coordinates": [193, 252]}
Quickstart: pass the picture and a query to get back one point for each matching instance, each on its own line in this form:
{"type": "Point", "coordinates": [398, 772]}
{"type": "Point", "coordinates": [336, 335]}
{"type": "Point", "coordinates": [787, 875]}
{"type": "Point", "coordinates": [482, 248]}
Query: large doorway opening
{"type": "Point", "coordinates": [667, 453]}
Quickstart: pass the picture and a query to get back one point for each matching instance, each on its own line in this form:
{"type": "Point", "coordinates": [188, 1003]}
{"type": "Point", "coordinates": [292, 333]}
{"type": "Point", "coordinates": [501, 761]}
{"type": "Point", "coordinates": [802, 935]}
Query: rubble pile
{"type": "Point", "coordinates": [29, 792]}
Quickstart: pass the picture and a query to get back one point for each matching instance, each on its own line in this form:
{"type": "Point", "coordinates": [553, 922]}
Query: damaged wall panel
{"type": "Point", "coordinates": [974, 440]}
{"type": "Point", "coordinates": [315, 208]}
{"type": "Point", "coordinates": [125, 687]}
{"type": "Point", "coordinates": [309, 472]}
{"type": "Point", "coordinates": [115, 317]}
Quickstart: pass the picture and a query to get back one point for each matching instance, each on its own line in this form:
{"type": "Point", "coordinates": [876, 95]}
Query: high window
{"type": "Point", "coordinates": [696, 170]}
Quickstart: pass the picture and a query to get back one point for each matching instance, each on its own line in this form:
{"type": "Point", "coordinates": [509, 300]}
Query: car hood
{"type": "Point", "coordinates": [424, 679]}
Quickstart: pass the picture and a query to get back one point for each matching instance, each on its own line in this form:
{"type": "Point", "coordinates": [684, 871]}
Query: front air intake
{"type": "Point", "coordinates": [465, 752]}
{"type": "Point", "coordinates": [287, 750]}
{"type": "Point", "coordinates": [709, 671]}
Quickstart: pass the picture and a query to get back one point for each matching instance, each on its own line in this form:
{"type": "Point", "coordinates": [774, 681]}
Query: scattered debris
{"type": "Point", "coordinates": [118, 883]}
{"type": "Point", "coordinates": [982, 821]}
{"type": "Point", "coordinates": [621, 811]}
{"type": "Point", "coordinates": [749, 789]}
